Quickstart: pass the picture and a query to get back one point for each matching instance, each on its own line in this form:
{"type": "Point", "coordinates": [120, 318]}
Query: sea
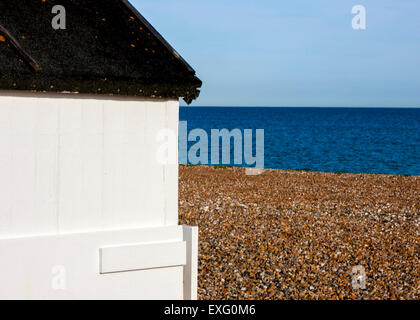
{"type": "Point", "coordinates": [341, 140]}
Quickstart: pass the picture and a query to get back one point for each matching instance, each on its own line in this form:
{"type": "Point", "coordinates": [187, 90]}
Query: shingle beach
{"type": "Point", "coordinates": [298, 235]}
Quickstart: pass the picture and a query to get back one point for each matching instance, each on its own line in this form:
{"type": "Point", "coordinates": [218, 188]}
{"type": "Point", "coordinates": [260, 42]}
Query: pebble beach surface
{"type": "Point", "coordinates": [298, 235]}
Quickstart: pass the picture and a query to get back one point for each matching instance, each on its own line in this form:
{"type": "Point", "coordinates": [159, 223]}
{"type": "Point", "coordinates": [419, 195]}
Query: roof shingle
{"type": "Point", "coordinates": [106, 48]}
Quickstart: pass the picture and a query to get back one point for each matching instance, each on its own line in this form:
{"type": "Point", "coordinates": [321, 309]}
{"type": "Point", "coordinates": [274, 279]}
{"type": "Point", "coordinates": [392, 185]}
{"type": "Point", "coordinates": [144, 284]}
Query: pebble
{"type": "Point", "coordinates": [297, 235]}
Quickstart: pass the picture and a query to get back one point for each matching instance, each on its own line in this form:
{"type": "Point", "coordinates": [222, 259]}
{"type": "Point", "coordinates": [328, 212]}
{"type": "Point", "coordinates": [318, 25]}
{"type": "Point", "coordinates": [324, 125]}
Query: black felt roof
{"type": "Point", "coordinates": [107, 48]}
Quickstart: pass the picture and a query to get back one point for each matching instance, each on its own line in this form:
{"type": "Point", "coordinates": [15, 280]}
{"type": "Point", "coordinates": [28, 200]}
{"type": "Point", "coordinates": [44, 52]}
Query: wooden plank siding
{"type": "Point", "coordinates": [80, 163]}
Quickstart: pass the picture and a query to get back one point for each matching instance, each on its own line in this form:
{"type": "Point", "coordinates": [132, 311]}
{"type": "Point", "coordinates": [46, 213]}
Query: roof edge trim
{"type": "Point", "coordinates": [21, 51]}
{"type": "Point", "coordinates": [142, 19]}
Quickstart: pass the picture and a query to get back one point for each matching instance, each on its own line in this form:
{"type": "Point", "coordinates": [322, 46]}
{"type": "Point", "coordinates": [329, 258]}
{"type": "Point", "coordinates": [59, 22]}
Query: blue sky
{"type": "Point", "coordinates": [295, 52]}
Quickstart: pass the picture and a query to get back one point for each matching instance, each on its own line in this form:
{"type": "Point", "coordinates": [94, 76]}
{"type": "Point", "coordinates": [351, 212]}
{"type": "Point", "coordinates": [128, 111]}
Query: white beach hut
{"type": "Point", "coordinates": [86, 209]}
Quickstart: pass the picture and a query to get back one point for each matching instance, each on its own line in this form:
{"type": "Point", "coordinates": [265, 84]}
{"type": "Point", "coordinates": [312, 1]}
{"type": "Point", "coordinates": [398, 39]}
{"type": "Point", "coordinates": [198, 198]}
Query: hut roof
{"type": "Point", "coordinates": [108, 47]}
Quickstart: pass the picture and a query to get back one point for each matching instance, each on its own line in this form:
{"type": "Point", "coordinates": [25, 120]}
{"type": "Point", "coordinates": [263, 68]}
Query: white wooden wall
{"type": "Point", "coordinates": [82, 191]}
{"type": "Point", "coordinates": [74, 163]}
{"type": "Point", "coordinates": [151, 263]}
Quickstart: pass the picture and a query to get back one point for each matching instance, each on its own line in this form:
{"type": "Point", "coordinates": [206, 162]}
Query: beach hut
{"type": "Point", "coordinates": [88, 91]}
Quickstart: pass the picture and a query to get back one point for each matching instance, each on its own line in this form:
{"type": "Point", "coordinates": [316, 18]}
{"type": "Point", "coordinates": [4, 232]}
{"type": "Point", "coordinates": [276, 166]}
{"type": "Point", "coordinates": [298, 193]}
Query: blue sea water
{"type": "Point", "coordinates": [354, 140]}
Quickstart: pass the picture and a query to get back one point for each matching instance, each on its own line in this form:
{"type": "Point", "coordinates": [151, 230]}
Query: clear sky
{"type": "Point", "coordinates": [295, 52]}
